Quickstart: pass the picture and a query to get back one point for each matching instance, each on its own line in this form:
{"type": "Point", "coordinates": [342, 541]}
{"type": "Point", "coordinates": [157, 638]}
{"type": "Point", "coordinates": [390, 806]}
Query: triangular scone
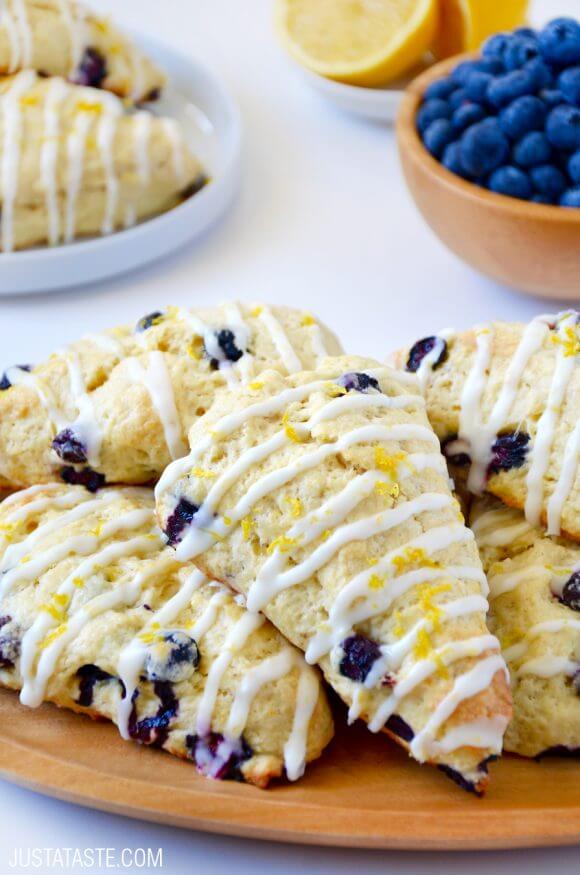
{"type": "Point", "coordinates": [504, 399]}
{"type": "Point", "coordinates": [76, 162]}
{"type": "Point", "coordinates": [98, 616]}
{"type": "Point", "coordinates": [64, 38]}
{"type": "Point", "coordinates": [535, 611]}
{"type": "Point", "coordinates": [325, 500]}
{"type": "Point", "coordinates": [117, 406]}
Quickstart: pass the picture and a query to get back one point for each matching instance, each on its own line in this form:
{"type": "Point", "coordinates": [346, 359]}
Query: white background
{"type": "Point", "coordinates": [323, 222]}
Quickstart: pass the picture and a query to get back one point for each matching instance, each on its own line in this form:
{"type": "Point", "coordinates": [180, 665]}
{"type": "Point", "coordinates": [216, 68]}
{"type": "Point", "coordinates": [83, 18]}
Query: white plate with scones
{"type": "Point", "coordinates": [115, 176]}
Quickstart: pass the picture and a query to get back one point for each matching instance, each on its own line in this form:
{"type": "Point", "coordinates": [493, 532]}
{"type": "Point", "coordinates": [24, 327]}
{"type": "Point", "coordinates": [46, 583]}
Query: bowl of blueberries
{"type": "Point", "coordinates": [490, 148]}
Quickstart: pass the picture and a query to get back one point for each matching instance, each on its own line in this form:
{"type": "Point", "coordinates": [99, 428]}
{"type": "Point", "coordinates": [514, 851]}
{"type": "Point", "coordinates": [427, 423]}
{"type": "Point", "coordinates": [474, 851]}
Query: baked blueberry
{"type": "Point", "coordinates": [155, 729]}
{"type": "Point", "coordinates": [559, 42]}
{"type": "Point", "coordinates": [218, 758]}
{"type": "Point", "coordinates": [5, 382]}
{"type": "Point", "coordinates": [89, 676]}
{"type": "Point", "coordinates": [174, 658]}
{"type": "Point", "coordinates": [484, 147]}
{"type": "Point", "coordinates": [571, 592]}
{"type": "Point", "coordinates": [358, 382]}
{"type": "Point", "coordinates": [92, 70]}
{"type": "Point", "coordinates": [149, 321]}
{"type": "Point", "coordinates": [400, 727]}
{"type": "Point", "coordinates": [9, 644]}
{"type": "Point", "coordinates": [69, 447]}
{"type": "Point", "coordinates": [359, 655]}
{"type": "Point", "coordinates": [509, 451]}
{"type": "Point", "coordinates": [200, 181]}
{"type": "Point", "coordinates": [91, 480]}
{"type": "Point", "coordinates": [179, 520]}
{"type": "Point", "coordinates": [230, 352]}
{"type": "Point", "coordinates": [422, 349]}
{"type": "Point", "coordinates": [510, 181]}
{"type": "Point", "coordinates": [456, 451]}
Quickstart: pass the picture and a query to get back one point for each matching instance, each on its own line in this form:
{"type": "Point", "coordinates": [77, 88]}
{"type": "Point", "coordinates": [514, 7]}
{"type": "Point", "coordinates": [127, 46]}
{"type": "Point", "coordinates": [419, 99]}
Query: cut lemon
{"type": "Point", "coordinates": [465, 24]}
{"type": "Point", "coordinates": [361, 42]}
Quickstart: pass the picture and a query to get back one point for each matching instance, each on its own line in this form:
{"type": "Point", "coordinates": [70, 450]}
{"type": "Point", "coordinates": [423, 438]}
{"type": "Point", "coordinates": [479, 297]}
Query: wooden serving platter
{"type": "Point", "coordinates": [364, 792]}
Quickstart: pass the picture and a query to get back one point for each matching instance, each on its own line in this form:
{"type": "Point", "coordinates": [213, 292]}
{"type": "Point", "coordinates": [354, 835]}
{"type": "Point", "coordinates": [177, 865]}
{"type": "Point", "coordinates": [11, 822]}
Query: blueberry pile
{"type": "Point", "coordinates": [510, 120]}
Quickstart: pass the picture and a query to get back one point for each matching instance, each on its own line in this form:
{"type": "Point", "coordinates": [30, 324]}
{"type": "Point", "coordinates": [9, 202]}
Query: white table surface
{"type": "Point", "coordinates": [323, 222]}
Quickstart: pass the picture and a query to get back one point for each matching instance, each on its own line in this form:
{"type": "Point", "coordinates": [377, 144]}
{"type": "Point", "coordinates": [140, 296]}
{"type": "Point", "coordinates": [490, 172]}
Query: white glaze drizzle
{"type": "Point", "coordinates": [154, 376]}
{"type": "Point", "coordinates": [142, 127]}
{"type": "Point", "coordinates": [56, 94]}
{"type": "Point", "coordinates": [565, 482]}
{"type": "Point", "coordinates": [175, 137]}
{"type": "Point", "coordinates": [8, 22]}
{"type": "Point", "coordinates": [106, 133]}
{"type": "Point", "coordinates": [76, 143]}
{"type": "Point", "coordinates": [74, 18]}
{"type": "Point", "coordinates": [285, 349]}
{"type": "Point", "coordinates": [11, 151]}
{"type": "Point", "coordinates": [24, 33]}
{"type": "Point", "coordinates": [86, 425]}
{"type": "Point", "coordinates": [425, 370]}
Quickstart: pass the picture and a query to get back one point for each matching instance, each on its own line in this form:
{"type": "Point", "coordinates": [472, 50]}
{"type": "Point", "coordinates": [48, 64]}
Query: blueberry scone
{"type": "Point", "coordinates": [534, 581]}
{"type": "Point", "coordinates": [504, 399]}
{"type": "Point", "coordinates": [63, 38]}
{"type": "Point", "coordinates": [97, 615]}
{"type": "Point", "coordinates": [76, 162]}
{"type": "Point", "coordinates": [117, 406]}
{"type": "Point", "coordinates": [324, 499]}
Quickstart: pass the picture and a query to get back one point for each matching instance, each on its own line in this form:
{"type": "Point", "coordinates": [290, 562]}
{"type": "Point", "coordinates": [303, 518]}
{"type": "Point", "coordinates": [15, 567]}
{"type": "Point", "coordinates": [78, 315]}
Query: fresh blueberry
{"type": "Point", "coordinates": [466, 115]}
{"type": "Point", "coordinates": [430, 111]}
{"type": "Point", "coordinates": [155, 729]}
{"type": "Point", "coordinates": [477, 85]}
{"type": "Point", "coordinates": [452, 160]}
{"type": "Point", "coordinates": [571, 198]}
{"type": "Point", "coordinates": [542, 199]}
{"type": "Point", "coordinates": [510, 86]}
{"type": "Point", "coordinates": [92, 69]}
{"type": "Point", "coordinates": [527, 32]}
{"type": "Point", "coordinates": [179, 520]}
{"type": "Point", "coordinates": [464, 71]}
{"type": "Point", "coordinates": [510, 181]}
{"type": "Point", "coordinates": [217, 758]}
{"type": "Point", "coordinates": [522, 116]}
{"type": "Point", "coordinates": [560, 42]}
{"type": "Point", "coordinates": [563, 127]}
{"type": "Point", "coordinates": [532, 149]}
{"type": "Point", "coordinates": [457, 99]}
{"type": "Point", "coordinates": [440, 90]}
{"type": "Point", "coordinates": [552, 97]}
{"type": "Point", "coordinates": [89, 676]}
{"type": "Point", "coordinates": [574, 167]}
{"type": "Point", "coordinates": [569, 84]}
{"type": "Point", "coordinates": [497, 45]}
{"type": "Point", "coordinates": [359, 655]}
{"type": "Point", "coordinates": [540, 74]}
{"type": "Point", "coordinates": [520, 50]}
{"type": "Point", "coordinates": [456, 451]}
{"type": "Point", "coordinates": [571, 592]}
{"type": "Point", "coordinates": [483, 147]}
{"type": "Point", "coordinates": [5, 382]}
{"type": "Point", "coordinates": [91, 480]}
{"type": "Point", "coordinates": [548, 180]}
{"type": "Point", "coordinates": [9, 644]}
{"type": "Point", "coordinates": [509, 451]}
{"type": "Point", "coordinates": [226, 340]}
{"type": "Point", "coordinates": [69, 447]}
{"type": "Point", "coordinates": [421, 349]}
{"type": "Point", "coordinates": [437, 136]}
{"type": "Point", "coordinates": [358, 382]}
{"type": "Point", "coordinates": [149, 321]}
{"type": "Point", "coordinates": [174, 658]}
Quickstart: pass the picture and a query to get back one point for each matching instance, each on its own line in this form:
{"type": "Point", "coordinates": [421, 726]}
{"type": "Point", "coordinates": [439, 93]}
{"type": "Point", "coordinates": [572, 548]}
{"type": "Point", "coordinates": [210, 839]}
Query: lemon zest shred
{"type": "Point", "coordinates": [295, 506]}
{"type": "Point", "coordinates": [376, 582]}
{"type": "Point", "coordinates": [247, 525]}
{"type": "Point", "coordinates": [282, 543]}
{"type": "Point", "coordinates": [203, 473]}
{"type": "Point", "coordinates": [308, 319]}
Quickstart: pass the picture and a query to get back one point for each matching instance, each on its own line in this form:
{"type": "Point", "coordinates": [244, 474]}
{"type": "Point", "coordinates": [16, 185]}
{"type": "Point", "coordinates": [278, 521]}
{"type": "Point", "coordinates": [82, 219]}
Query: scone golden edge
{"type": "Point", "coordinates": [116, 407]}
{"type": "Point", "coordinates": [504, 400]}
{"type": "Point", "coordinates": [97, 615]}
{"type": "Point", "coordinates": [324, 499]}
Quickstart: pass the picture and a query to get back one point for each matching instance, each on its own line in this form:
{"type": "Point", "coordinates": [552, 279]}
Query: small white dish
{"type": "Point", "coordinates": [198, 100]}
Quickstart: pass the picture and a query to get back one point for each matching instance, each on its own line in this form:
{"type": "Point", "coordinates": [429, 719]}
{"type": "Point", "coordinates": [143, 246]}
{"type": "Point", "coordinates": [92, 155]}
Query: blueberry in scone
{"type": "Point", "coordinates": [329, 508]}
{"type": "Point", "coordinates": [82, 164]}
{"type": "Point", "coordinates": [505, 404]}
{"type": "Point", "coordinates": [97, 615]}
{"type": "Point", "coordinates": [116, 407]}
{"type": "Point", "coordinates": [534, 584]}
{"type": "Point", "coordinates": [64, 38]}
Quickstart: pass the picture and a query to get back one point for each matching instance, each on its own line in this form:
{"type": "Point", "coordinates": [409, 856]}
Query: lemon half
{"type": "Point", "coordinates": [465, 24]}
{"type": "Point", "coordinates": [361, 42]}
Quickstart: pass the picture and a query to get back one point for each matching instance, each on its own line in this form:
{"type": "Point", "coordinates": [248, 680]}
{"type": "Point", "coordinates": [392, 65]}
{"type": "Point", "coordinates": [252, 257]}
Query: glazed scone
{"type": "Point", "coordinates": [76, 162]}
{"type": "Point", "coordinates": [117, 407]}
{"type": "Point", "coordinates": [535, 612]}
{"type": "Point", "coordinates": [98, 616]}
{"type": "Point", "coordinates": [504, 399]}
{"type": "Point", "coordinates": [63, 38]}
{"type": "Point", "coordinates": [324, 499]}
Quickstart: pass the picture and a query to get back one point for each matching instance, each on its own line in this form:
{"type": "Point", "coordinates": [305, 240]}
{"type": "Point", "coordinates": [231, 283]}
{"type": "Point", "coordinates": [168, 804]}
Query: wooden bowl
{"type": "Point", "coordinates": [531, 247]}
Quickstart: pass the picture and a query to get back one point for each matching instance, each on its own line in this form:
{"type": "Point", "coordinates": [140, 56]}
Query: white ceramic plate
{"type": "Point", "coordinates": [212, 122]}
